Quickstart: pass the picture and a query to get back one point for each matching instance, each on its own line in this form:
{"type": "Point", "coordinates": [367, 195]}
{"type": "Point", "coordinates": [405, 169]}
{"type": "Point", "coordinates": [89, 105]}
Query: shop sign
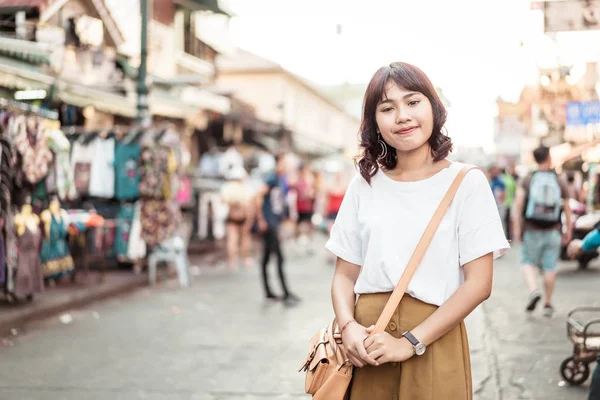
{"type": "Point", "coordinates": [583, 121]}
{"type": "Point", "coordinates": [571, 15]}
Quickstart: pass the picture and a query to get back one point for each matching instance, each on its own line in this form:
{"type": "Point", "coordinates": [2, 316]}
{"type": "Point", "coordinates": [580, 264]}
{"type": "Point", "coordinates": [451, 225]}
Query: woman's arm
{"type": "Point", "coordinates": [476, 289]}
{"type": "Point", "coordinates": [342, 291]}
{"type": "Point", "coordinates": [344, 299]}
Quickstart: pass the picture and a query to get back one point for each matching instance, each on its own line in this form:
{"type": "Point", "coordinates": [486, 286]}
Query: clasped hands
{"type": "Point", "coordinates": [375, 350]}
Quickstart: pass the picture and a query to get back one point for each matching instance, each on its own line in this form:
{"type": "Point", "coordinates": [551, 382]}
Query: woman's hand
{"type": "Point", "coordinates": [384, 348]}
{"type": "Point", "coordinates": [354, 342]}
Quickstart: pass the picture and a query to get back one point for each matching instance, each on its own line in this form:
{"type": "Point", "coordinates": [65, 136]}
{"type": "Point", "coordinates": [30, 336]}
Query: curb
{"type": "Point", "coordinates": [76, 300]}
{"type": "Point", "coordinates": [49, 309]}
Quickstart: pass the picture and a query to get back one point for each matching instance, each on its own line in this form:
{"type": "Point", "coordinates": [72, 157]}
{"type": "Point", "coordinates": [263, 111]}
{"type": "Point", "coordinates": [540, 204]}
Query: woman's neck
{"type": "Point", "coordinates": [414, 162]}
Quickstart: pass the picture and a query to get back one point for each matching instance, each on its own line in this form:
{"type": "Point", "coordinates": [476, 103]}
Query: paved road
{"type": "Point", "coordinates": [218, 340]}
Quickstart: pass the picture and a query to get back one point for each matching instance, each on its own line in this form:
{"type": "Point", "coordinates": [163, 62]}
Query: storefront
{"type": "Point", "coordinates": [68, 200]}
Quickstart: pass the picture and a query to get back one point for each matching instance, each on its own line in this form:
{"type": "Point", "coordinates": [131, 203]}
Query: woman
{"type": "Point", "coordinates": [404, 174]}
{"type": "Point", "coordinates": [237, 195]}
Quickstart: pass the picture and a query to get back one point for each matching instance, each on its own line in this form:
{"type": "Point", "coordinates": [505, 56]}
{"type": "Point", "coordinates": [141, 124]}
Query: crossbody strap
{"type": "Point", "coordinates": [419, 252]}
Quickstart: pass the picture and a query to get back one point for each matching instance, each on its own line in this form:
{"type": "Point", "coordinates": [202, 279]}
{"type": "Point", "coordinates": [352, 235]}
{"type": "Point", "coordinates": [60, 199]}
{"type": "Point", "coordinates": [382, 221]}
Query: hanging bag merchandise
{"type": "Point", "coordinates": [328, 370]}
{"type": "Point", "coordinates": [544, 201]}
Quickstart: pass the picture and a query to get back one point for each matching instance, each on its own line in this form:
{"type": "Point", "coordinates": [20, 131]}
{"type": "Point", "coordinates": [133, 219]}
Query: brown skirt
{"type": "Point", "coordinates": [443, 372]}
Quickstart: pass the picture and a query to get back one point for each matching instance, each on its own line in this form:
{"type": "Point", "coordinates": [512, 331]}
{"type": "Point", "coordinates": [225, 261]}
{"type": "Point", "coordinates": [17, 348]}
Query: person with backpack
{"type": "Point", "coordinates": [540, 199]}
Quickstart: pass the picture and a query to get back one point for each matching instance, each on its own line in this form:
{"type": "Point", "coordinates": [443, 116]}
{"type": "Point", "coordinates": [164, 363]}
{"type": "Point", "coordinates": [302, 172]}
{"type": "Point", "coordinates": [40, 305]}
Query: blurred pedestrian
{"type": "Point", "coordinates": [499, 191]}
{"type": "Point", "coordinates": [404, 173]}
{"type": "Point", "coordinates": [237, 195]}
{"type": "Point", "coordinates": [540, 198]}
{"type": "Point", "coordinates": [591, 242]}
{"type": "Point", "coordinates": [270, 209]}
{"type": "Point", "coordinates": [335, 196]}
{"type": "Point", "coordinates": [305, 191]}
{"type": "Point", "coordinates": [510, 184]}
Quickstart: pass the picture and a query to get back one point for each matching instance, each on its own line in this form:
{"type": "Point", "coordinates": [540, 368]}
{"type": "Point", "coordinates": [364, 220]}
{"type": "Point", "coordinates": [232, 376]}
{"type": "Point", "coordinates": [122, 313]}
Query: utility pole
{"type": "Point", "coordinates": [143, 112]}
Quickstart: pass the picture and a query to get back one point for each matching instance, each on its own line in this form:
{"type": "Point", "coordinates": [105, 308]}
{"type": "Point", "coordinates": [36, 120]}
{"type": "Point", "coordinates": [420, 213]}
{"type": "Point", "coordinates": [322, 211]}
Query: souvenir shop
{"type": "Point", "coordinates": [75, 199]}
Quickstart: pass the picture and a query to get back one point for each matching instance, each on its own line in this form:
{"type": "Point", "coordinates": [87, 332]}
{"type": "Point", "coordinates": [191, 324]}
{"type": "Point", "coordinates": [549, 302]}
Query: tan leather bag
{"type": "Point", "coordinates": [328, 370]}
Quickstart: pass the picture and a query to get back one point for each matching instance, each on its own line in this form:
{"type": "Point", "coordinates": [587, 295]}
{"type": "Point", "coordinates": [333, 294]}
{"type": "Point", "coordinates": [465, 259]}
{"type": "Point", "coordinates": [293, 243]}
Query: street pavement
{"type": "Point", "coordinates": [219, 340]}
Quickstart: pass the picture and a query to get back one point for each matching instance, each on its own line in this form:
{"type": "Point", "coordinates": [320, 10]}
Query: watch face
{"type": "Point", "coordinates": [420, 349]}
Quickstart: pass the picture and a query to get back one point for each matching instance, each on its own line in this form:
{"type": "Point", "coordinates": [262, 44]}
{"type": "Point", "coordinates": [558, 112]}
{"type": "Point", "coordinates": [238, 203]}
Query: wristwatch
{"type": "Point", "coordinates": [417, 345]}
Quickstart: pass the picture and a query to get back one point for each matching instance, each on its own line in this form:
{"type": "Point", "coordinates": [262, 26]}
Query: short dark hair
{"type": "Point", "coordinates": [410, 78]}
{"type": "Point", "coordinates": [541, 154]}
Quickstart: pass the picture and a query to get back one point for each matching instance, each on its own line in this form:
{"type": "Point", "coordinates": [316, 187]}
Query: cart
{"type": "Point", "coordinates": [585, 336]}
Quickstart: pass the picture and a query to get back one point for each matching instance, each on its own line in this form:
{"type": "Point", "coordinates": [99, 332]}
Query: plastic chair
{"type": "Point", "coordinates": [172, 251]}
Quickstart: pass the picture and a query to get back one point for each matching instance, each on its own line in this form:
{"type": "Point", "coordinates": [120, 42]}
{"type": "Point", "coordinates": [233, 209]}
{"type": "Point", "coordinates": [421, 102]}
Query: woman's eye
{"type": "Point", "coordinates": [414, 103]}
{"type": "Point", "coordinates": [386, 109]}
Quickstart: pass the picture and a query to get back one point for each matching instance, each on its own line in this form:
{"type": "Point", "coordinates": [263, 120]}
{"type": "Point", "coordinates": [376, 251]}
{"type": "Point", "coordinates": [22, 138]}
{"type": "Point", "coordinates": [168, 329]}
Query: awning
{"type": "Point", "coordinates": [167, 105]}
{"type": "Point", "coordinates": [32, 52]}
{"type": "Point", "coordinates": [22, 75]}
{"type": "Point", "coordinates": [201, 5]}
{"type": "Point", "coordinates": [205, 100]}
{"type": "Point", "coordinates": [112, 103]}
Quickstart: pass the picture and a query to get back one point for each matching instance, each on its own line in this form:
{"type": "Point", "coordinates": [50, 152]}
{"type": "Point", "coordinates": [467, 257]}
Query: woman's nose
{"type": "Point", "coordinates": [402, 116]}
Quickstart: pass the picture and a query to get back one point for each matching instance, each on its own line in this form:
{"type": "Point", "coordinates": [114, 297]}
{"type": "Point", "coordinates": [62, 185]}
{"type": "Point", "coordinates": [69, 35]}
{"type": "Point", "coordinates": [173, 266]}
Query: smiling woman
{"type": "Point", "coordinates": [417, 267]}
{"type": "Point", "coordinates": [402, 101]}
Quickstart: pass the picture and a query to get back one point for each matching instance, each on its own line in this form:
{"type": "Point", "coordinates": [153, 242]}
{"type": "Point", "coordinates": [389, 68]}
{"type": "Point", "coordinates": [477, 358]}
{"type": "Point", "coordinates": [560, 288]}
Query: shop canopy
{"type": "Point", "coordinates": [201, 5]}
{"type": "Point", "coordinates": [22, 75]}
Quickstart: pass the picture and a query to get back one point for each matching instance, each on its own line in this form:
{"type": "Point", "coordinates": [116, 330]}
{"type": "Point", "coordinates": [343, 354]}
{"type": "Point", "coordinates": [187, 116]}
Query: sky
{"type": "Point", "coordinates": [475, 50]}
{"type": "Point", "coordinates": [470, 49]}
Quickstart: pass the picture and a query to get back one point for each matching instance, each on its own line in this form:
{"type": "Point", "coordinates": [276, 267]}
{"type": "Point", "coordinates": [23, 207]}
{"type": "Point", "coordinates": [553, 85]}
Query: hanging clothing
{"type": "Point", "coordinates": [40, 193]}
{"type": "Point", "coordinates": [159, 220]}
{"type": "Point", "coordinates": [136, 248]}
{"type": "Point", "coordinates": [12, 251]}
{"type": "Point", "coordinates": [127, 174]}
{"type": "Point", "coordinates": [29, 279]}
{"type": "Point", "coordinates": [154, 171]}
{"type": "Point", "coordinates": [56, 259]}
{"type": "Point", "coordinates": [61, 179]}
{"type": "Point", "coordinates": [171, 180]}
{"type": "Point", "coordinates": [81, 164]}
{"type": "Point", "coordinates": [33, 147]}
{"type": "Point", "coordinates": [124, 223]}
{"type": "Point", "coordinates": [2, 260]}
{"type": "Point", "coordinates": [102, 178]}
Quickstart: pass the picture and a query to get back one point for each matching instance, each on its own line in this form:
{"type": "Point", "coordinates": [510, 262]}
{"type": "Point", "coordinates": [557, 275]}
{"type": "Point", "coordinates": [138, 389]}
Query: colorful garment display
{"type": "Point", "coordinates": [154, 172]}
{"type": "Point", "coordinates": [102, 173]}
{"type": "Point", "coordinates": [123, 228]}
{"type": "Point", "coordinates": [81, 162]}
{"type": "Point", "coordinates": [127, 174]}
{"type": "Point", "coordinates": [61, 179]}
{"type": "Point", "coordinates": [55, 255]}
{"type": "Point", "coordinates": [33, 147]}
{"type": "Point", "coordinates": [159, 219]}
{"type": "Point", "coordinates": [29, 278]}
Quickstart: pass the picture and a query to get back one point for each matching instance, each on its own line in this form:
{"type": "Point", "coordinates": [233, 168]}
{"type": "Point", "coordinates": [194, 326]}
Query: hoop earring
{"type": "Point", "coordinates": [383, 150]}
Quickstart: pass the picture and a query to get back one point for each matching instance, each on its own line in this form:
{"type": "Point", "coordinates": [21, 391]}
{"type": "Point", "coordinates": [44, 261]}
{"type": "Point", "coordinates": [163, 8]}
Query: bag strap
{"type": "Point", "coordinates": [419, 252]}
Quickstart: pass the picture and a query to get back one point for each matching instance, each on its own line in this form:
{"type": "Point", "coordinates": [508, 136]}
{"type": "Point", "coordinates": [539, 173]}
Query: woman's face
{"type": "Point", "coordinates": [404, 118]}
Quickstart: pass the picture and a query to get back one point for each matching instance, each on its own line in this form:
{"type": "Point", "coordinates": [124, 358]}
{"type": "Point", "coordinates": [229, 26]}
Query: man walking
{"type": "Point", "coordinates": [270, 211]}
{"type": "Point", "coordinates": [540, 198]}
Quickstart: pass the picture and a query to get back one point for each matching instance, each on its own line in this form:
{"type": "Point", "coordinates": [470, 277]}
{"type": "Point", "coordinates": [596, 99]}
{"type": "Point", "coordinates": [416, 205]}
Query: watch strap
{"type": "Point", "coordinates": [411, 338]}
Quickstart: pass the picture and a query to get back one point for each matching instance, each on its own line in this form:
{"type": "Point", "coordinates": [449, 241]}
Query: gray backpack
{"type": "Point", "coordinates": [544, 201]}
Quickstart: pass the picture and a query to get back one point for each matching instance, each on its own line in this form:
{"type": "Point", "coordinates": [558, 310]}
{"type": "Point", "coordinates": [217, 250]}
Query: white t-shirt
{"type": "Point", "coordinates": [102, 177]}
{"type": "Point", "coordinates": [379, 226]}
